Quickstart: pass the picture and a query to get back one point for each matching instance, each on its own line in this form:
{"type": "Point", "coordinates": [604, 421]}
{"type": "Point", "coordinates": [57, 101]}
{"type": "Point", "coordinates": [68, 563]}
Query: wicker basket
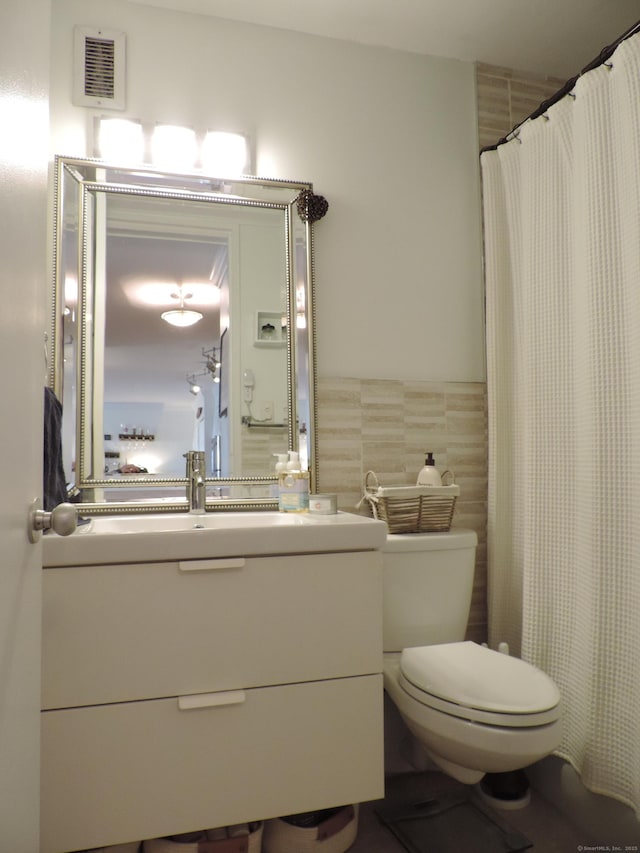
{"type": "Point", "coordinates": [411, 509]}
{"type": "Point", "coordinates": [201, 842]}
{"type": "Point", "coordinates": [335, 834]}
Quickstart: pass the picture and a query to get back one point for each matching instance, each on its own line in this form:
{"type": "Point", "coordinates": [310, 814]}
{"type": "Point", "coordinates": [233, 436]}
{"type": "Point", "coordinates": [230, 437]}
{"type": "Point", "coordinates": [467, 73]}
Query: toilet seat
{"type": "Point", "coordinates": [475, 683]}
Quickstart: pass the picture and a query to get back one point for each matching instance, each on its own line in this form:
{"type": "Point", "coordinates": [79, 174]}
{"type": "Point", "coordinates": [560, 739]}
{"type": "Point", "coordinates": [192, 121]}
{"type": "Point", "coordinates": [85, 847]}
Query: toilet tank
{"type": "Point", "coordinates": [427, 586]}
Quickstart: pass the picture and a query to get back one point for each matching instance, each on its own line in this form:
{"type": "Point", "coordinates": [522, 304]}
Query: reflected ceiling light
{"type": "Point", "coordinates": [120, 139]}
{"type": "Point", "coordinates": [145, 292]}
{"type": "Point", "coordinates": [212, 362]}
{"type": "Point", "coordinates": [224, 154]}
{"type": "Point", "coordinates": [204, 293]}
{"type": "Point", "coordinates": [70, 289]}
{"type": "Point", "coordinates": [173, 147]}
{"type": "Point", "coordinates": [181, 316]}
{"type": "Point", "coordinates": [194, 388]}
{"type": "Point", "coordinates": [301, 317]}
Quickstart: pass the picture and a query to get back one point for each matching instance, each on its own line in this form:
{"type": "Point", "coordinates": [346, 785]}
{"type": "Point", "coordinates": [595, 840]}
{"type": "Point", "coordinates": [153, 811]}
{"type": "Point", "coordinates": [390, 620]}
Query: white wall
{"type": "Point", "coordinates": [262, 272]}
{"type": "Point", "coordinates": [172, 425]}
{"type": "Point", "coordinates": [389, 138]}
{"type": "Point", "coordinates": [24, 80]}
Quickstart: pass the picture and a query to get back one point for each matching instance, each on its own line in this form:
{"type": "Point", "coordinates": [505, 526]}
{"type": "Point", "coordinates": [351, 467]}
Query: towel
{"type": "Point", "coordinates": [54, 480]}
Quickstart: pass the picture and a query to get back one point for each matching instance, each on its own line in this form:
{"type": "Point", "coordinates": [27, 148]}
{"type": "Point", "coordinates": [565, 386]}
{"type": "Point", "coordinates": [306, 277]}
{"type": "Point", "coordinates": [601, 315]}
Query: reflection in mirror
{"type": "Point", "coordinates": [136, 250]}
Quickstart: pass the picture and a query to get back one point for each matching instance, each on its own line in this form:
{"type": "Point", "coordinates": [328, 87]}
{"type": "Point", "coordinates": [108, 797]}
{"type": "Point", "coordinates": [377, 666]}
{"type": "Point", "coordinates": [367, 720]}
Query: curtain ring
{"type": "Point", "coordinates": [608, 65]}
{"type": "Point", "coordinates": [572, 95]}
{"type": "Point", "coordinates": [545, 117]}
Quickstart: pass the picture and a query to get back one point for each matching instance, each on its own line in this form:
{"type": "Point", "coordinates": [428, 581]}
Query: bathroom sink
{"type": "Point", "coordinates": [186, 521]}
{"type": "Point", "coordinates": [183, 536]}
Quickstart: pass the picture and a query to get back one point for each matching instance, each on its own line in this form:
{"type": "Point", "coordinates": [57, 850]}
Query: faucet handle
{"type": "Point", "coordinates": [195, 460]}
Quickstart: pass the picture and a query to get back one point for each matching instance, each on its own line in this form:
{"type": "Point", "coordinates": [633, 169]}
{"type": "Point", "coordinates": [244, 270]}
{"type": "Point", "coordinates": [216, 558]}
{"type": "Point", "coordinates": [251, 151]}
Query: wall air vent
{"type": "Point", "coordinates": [99, 68]}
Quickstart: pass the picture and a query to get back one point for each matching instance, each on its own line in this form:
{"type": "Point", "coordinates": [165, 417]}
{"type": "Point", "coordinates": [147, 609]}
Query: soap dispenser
{"type": "Point", "coordinates": [294, 461]}
{"type": "Point", "coordinates": [281, 464]}
{"type": "Point", "coordinates": [280, 468]}
{"type": "Point", "coordinates": [293, 486]}
{"type": "Point", "coordinates": [429, 474]}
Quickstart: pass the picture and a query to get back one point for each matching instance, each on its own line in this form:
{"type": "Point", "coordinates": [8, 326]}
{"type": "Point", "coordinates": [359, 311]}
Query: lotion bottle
{"type": "Point", "coordinates": [429, 474]}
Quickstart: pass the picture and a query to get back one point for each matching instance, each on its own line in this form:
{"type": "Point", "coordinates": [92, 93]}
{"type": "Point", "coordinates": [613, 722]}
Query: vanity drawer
{"type": "Point", "coordinates": [131, 771]}
{"type": "Point", "coordinates": [116, 633]}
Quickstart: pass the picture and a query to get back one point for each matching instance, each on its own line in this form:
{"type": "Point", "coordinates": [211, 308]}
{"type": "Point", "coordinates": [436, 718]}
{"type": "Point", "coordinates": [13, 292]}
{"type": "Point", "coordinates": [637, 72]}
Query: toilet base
{"type": "Point", "coordinates": [507, 791]}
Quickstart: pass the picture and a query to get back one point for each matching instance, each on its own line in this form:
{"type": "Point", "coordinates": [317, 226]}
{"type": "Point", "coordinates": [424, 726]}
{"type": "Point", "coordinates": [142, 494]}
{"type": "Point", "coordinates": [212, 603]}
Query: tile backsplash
{"type": "Point", "coordinates": [387, 426]}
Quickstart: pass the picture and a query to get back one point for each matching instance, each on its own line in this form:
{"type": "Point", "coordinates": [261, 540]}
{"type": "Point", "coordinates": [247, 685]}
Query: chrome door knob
{"type": "Point", "coordinates": [62, 520]}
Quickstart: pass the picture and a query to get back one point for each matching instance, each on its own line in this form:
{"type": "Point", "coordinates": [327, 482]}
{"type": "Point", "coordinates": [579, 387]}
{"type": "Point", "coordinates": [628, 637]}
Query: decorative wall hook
{"type": "Point", "coordinates": [311, 207]}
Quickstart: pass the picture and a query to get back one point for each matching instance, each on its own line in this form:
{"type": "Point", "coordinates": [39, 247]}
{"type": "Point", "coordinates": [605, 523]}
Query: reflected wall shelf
{"type": "Point", "coordinates": [270, 330]}
{"type": "Point", "coordinates": [127, 436]}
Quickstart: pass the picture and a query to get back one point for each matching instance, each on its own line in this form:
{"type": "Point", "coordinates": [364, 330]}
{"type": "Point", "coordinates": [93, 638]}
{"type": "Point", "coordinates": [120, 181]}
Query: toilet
{"type": "Point", "coordinates": [473, 710]}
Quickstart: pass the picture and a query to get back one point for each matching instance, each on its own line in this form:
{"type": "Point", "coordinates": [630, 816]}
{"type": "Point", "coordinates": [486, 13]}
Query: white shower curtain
{"type": "Point", "coordinates": [562, 243]}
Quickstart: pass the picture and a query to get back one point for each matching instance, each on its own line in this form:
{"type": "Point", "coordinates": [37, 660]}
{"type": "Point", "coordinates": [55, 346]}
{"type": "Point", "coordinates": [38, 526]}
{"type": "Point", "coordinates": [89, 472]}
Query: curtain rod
{"type": "Point", "coordinates": [600, 59]}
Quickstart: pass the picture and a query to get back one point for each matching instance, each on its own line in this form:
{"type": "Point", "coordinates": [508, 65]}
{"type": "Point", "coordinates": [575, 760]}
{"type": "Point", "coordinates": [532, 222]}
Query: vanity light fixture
{"type": "Point", "coordinates": [120, 140]}
{"type": "Point", "coordinates": [181, 316]}
{"type": "Point", "coordinates": [224, 154]}
{"type": "Point", "coordinates": [174, 147]}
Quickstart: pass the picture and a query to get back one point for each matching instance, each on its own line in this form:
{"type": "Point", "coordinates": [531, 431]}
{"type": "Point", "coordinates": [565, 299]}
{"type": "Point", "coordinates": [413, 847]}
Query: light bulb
{"type": "Point", "coordinates": [224, 154]}
{"type": "Point", "coordinates": [181, 317]}
{"type": "Point", "coordinates": [120, 139]}
{"type": "Point", "coordinates": [173, 147]}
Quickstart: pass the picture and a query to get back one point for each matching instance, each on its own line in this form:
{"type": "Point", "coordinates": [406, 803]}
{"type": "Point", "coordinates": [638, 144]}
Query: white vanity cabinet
{"type": "Point", "coordinates": [195, 693]}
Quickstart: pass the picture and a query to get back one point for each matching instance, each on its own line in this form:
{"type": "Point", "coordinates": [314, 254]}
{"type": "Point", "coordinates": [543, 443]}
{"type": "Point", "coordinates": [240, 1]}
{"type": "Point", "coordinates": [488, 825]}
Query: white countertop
{"type": "Point", "coordinates": [182, 536]}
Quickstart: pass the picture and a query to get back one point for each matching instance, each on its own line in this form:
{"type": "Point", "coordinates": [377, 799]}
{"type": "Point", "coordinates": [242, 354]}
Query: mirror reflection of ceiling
{"type": "Point", "coordinates": [156, 248]}
{"type": "Point", "coordinates": [142, 273]}
{"type": "Point", "coordinates": [551, 37]}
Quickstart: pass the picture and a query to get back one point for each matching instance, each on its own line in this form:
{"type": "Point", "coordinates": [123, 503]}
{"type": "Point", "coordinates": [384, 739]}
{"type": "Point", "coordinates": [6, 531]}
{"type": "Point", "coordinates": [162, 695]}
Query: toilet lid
{"type": "Point", "coordinates": [477, 677]}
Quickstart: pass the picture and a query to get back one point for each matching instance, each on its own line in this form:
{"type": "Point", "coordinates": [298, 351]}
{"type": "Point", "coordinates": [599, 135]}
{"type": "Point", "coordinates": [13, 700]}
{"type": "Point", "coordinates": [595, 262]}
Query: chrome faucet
{"type": "Point", "coordinates": [196, 473]}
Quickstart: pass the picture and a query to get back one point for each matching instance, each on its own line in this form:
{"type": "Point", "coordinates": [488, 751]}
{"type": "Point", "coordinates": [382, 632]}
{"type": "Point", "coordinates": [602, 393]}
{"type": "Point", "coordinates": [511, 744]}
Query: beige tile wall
{"type": "Point", "coordinates": [259, 444]}
{"type": "Point", "coordinates": [506, 97]}
{"type": "Point", "coordinates": [386, 425]}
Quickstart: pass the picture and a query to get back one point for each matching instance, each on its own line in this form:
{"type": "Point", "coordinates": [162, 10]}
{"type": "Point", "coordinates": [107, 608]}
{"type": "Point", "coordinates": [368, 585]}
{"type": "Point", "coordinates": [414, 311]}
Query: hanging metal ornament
{"type": "Point", "coordinates": [311, 207]}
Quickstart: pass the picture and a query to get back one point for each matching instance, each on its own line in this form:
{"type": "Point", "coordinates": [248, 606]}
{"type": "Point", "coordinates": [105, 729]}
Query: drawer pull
{"type": "Point", "coordinates": [211, 700]}
{"type": "Point", "coordinates": [211, 565]}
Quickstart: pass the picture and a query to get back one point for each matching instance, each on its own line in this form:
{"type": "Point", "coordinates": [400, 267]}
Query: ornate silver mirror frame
{"type": "Point", "coordinates": [83, 192]}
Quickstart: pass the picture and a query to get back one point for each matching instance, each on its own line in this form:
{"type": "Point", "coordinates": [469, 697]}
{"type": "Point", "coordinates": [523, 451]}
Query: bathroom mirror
{"type": "Point", "coordinates": [137, 248]}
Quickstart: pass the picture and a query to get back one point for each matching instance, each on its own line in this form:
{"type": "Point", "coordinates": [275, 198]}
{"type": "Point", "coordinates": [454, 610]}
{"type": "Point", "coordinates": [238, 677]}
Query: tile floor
{"type": "Point", "coordinates": [540, 821]}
